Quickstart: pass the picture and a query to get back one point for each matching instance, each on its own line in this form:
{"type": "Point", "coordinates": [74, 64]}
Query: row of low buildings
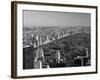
{"type": "Point", "coordinates": [44, 37]}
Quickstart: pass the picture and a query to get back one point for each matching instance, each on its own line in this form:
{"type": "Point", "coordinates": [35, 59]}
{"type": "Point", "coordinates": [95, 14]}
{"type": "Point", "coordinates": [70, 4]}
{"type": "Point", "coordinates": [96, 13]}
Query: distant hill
{"type": "Point", "coordinates": [52, 27]}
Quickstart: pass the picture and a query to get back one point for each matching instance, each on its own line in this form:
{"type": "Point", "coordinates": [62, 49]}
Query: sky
{"type": "Point", "coordinates": [51, 18]}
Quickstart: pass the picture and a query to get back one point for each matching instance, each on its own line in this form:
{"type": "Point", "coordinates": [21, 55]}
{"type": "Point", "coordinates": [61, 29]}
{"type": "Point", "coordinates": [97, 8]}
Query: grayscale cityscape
{"type": "Point", "coordinates": [56, 39]}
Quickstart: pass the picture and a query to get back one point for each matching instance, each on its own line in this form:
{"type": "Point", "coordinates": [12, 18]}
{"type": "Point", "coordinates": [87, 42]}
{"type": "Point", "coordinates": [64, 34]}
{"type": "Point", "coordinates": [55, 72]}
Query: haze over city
{"type": "Point", "coordinates": [50, 18]}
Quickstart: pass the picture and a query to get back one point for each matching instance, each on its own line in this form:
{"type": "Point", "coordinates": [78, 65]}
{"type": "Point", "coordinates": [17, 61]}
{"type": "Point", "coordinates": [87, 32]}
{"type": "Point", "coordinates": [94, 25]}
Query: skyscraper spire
{"type": "Point", "coordinates": [39, 59]}
{"type": "Point", "coordinates": [58, 56]}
